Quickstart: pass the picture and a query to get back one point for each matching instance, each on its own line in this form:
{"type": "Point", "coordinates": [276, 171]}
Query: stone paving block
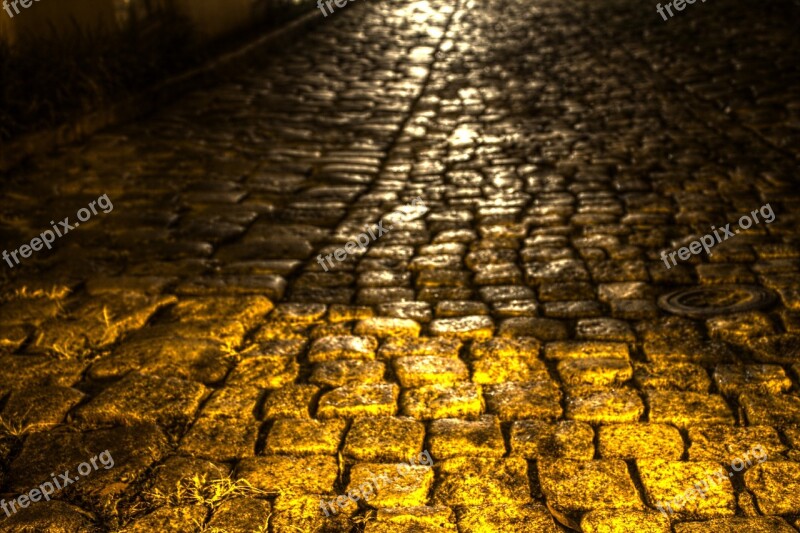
{"type": "Point", "coordinates": [772, 524]}
{"type": "Point", "coordinates": [739, 327]}
{"type": "Point", "coordinates": [451, 437]}
{"type": "Point", "coordinates": [387, 327]}
{"type": "Point", "coordinates": [779, 349]}
{"type": "Point", "coordinates": [172, 476]}
{"type": "Point", "coordinates": [538, 439]}
{"type": "Point", "coordinates": [37, 408]}
{"type": "Point", "coordinates": [320, 331]}
{"type": "Point", "coordinates": [684, 409]}
{"type": "Point", "coordinates": [624, 290]}
{"type": "Point", "coordinates": [134, 450]}
{"type": "Point", "coordinates": [53, 516]}
{"type": "Point", "coordinates": [232, 402]}
{"type": "Point", "coordinates": [604, 407]}
{"type": "Point", "coordinates": [671, 376]}
{"type": "Point", "coordinates": [476, 327]}
{"type": "Point", "coordinates": [345, 372]}
{"type": "Point", "coordinates": [604, 330]}
{"type": "Point", "coordinates": [565, 351]}
{"type": "Point", "coordinates": [493, 371]}
{"type": "Point", "coordinates": [470, 481]}
{"type": "Point", "coordinates": [384, 438]}
{"type": "Point", "coordinates": [420, 519]}
{"type": "Point", "coordinates": [505, 519]}
{"type": "Point", "coordinates": [345, 347]}
{"type": "Point", "coordinates": [271, 286]}
{"type": "Point", "coordinates": [462, 400]}
{"type": "Point", "coordinates": [275, 330]}
{"type": "Point", "coordinates": [345, 313]}
{"type": "Point", "coordinates": [599, 372]}
{"type": "Point", "coordinates": [775, 485]}
{"type": "Point", "coordinates": [557, 292]}
{"type": "Point", "coordinates": [687, 351]}
{"type": "Point", "coordinates": [168, 519]}
{"type": "Point", "coordinates": [639, 441]}
{"type": "Point", "coordinates": [416, 371]}
{"type": "Point", "coordinates": [200, 360]}
{"type": "Point", "coordinates": [378, 295]}
{"type": "Point", "coordinates": [305, 437]}
{"type": "Point", "coordinates": [460, 308]}
{"type": "Point", "coordinates": [515, 308]}
{"type": "Point", "coordinates": [417, 311]}
{"type": "Point", "coordinates": [515, 401]}
{"type": "Point", "coordinates": [501, 348]}
{"type": "Point", "coordinates": [304, 313]}
{"type": "Point", "coordinates": [246, 309]}
{"type": "Point", "coordinates": [544, 329]}
{"type": "Point", "coordinates": [733, 380]}
{"type": "Point", "coordinates": [280, 348]}
{"type": "Point", "coordinates": [291, 512]}
{"type": "Point", "coordinates": [138, 398]}
{"type": "Point", "coordinates": [571, 486]}
{"type": "Point", "coordinates": [432, 295]}
{"type": "Point", "coordinates": [688, 490]}
{"type": "Point", "coordinates": [572, 309]}
{"type": "Point", "coordinates": [279, 474]}
{"type": "Point", "coordinates": [613, 521]}
{"type": "Point", "coordinates": [392, 485]}
{"type": "Point", "coordinates": [424, 346]}
{"type": "Point", "coordinates": [267, 372]}
{"type": "Point", "coordinates": [505, 293]}
{"type": "Point", "coordinates": [726, 443]}
{"type": "Point", "coordinates": [98, 323]}
{"type": "Point", "coordinates": [555, 271]}
{"type": "Point", "coordinates": [769, 409]}
{"type": "Point", "coordinates": [291, 401]}
{"type": "Point", "coordinates": [221, 438]}
{"type": "Point", "coordinates": [359, 400]}
{"type": "Point", "coordinates": [21, 372]}
{"type": "Point", "coordinates": [241, 515]}
{"type": "Point", "coordinates": [633, 309]}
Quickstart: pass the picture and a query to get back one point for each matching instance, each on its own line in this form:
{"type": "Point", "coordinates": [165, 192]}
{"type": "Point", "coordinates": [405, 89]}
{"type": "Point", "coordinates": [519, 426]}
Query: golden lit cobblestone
{"type": "Point", "coordinates": [537, 439]}
{"type": "Point", "coordinates": [401, 485]}
{"type": "Point", "coordinates": [571, 485]}
{"type": "Point", "coordinates": [462, 400]}
{"type": "Point", "coordinates": [451, 437]}
{"type": "Point", "coordinates": [472, 481]}
{"type": "Point", "coordinates": [639, 441]}
{"type": "Point", "coordinates": [305, 437]}
{"type": "Point", "coordinates": [351, 401]}
{"type": "Point", "coordinates": [674, 483]}
{"type": "Point", "coordinates": [384, 438]}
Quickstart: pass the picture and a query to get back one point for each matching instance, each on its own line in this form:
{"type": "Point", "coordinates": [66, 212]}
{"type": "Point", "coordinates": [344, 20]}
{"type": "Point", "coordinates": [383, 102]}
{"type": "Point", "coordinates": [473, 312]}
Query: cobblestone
{"type": "Point", "coordinates": [512, 329]}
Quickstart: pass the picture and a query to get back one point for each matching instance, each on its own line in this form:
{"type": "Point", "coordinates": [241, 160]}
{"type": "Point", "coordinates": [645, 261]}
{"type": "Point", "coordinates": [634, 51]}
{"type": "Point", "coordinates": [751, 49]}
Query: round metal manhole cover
{"type": "Point", "coordinates": [703, 302]}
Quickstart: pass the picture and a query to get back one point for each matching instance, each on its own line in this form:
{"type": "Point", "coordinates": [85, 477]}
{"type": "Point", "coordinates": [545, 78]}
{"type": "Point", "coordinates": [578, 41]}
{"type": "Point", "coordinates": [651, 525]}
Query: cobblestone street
{"type": "Point", "coordinates": [509, 326]}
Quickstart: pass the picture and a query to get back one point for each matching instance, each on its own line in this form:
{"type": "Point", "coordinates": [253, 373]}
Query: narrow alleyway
{"type": "Point", "coordinates": [507, 326]}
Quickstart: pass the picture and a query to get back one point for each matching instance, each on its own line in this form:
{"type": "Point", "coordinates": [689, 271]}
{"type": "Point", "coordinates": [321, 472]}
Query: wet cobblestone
{"type": "Point", "coordinates": [512, 329]}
